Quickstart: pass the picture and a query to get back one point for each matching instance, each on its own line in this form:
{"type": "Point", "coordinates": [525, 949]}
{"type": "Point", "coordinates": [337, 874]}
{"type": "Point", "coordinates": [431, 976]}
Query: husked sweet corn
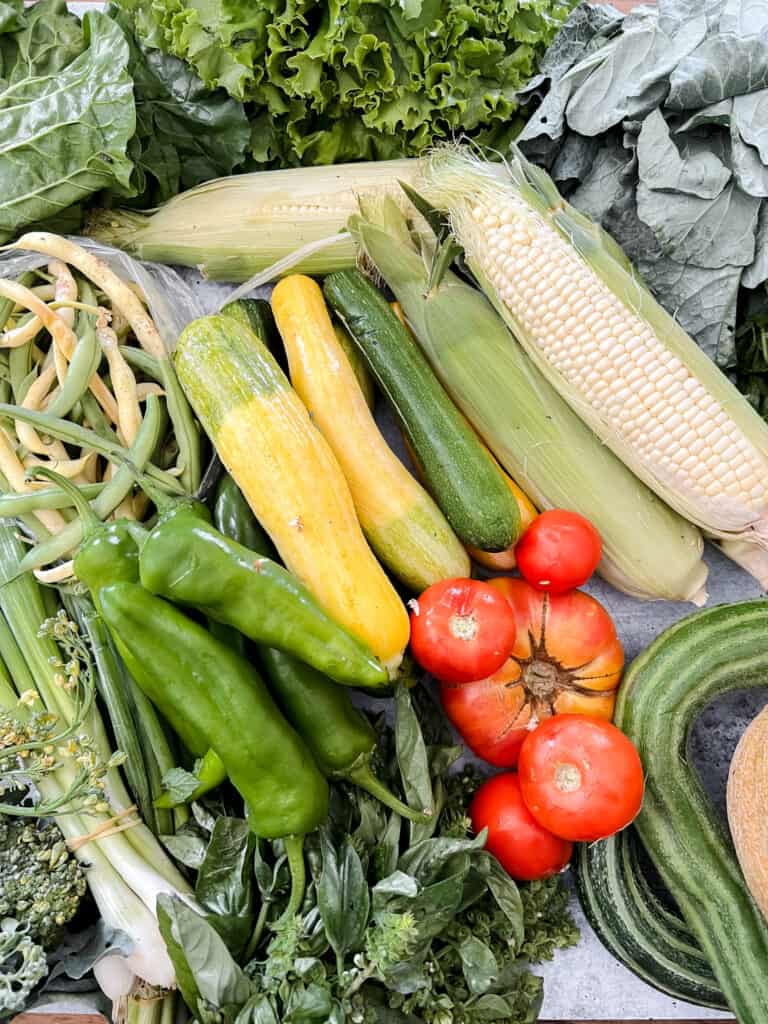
{"type": "Point", "coordinates": [624, 365]}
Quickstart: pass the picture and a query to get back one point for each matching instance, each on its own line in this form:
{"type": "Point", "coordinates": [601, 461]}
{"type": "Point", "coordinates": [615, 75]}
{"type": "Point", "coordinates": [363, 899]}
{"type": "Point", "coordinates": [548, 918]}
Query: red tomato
{"type": "Point", "coordinates": [524, 849]}
{"type": "Point", "coordinates": [461, 629]}
{"type": "Point", "coordinates": [581, 777]}
{"type": "Point", "coordinates": [559, 551]}
{"type": "Point", "coordinates": [567, 659]}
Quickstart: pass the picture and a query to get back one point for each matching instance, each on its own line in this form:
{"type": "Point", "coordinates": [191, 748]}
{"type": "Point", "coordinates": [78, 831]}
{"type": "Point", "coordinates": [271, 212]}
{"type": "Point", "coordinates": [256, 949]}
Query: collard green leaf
{"type": "Point", "coordinates": [481, 970]}
{"type": "Point", "coordinates": [204, 966]}
{"type": "Point", "coordinates": [606, 181]}
{"type": "Point", "coordinates": [79, 952]}
{"type": "Point", "coordinates": [662, 167]}
{"type": "Point", "coordinates": [749, 171]}
{"type": "Point", "coordinates": [413, 762]}
{"type": "Point", "coordinates": [575, 159]}
{"type": "Point", "coordinates": [751, 116]}
{"type": "Point", "coordinates": [703, 301]}
{"type": "Point", "coordinates": [65, 134]}
{"type": "Point", "coordinates": [342, 895]}
{"type": "Point", "coordinates": [709, 233]}
{"type": "Point", "coordinates": [722, 66]}
{"type": "Point", "coordinates": [716, 113]}
{"type": "Point", "coordinates": [224, 886]}
{"type": "Point", "coordinates": [757, 272]}
{"type": "Point", "coordinates": [743, 17]}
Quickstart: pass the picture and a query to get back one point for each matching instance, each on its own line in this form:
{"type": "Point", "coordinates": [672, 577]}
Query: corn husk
{"type": "Point", "coordinates": [455, 179]}
{"type": "Point", "coordinates": [649, 550]}
{"type": "Point", "coordinates": [233, 228]}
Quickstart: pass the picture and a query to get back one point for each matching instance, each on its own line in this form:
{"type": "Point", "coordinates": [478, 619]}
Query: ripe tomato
{"type": "Point", "coordinates": [461, 629]}
{"type": "Point", "coordinates": [566, 658]}
{"type": "Point", "coordinates": [559, 551]}
{"type": "Point", "coordinates": [581, 778]}
{"type": "Point", "coordinates": [524, 849]}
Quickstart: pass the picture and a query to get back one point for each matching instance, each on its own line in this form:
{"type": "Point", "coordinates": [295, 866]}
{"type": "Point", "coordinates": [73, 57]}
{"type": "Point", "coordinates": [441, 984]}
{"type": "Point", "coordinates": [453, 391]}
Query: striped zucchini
{"type": "Point", "coordinates": [458, 473]}
{"type": "Point", "coordinates": [290, 478]}
{"type": "Point", "coordinates": [403, 524]}
{"type": "Point", "coordinates": [636, 926]}
{"type": "Point", "coordinates": [707, 654]}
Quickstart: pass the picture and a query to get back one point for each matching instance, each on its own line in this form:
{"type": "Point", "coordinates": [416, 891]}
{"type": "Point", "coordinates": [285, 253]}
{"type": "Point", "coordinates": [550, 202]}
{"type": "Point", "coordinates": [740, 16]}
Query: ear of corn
{"type": "Point", "coordinates": [232, 228]}
{"type": "Point", "coordinates": [649, 550]}
{"type": "Point", "coordinates": [621, 362]}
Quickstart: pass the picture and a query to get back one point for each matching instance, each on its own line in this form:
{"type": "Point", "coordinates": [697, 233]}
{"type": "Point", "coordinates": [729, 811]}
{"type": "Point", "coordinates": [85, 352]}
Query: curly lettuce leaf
{"type": "Point", "coordinates": [66, 114]}
{"type": "Point", "coordinates": [359, 79]}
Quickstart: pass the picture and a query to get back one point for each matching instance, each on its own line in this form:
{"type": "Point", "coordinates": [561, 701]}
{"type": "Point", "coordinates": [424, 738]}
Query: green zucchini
{"type": "Point", "coordinates": [257, 314]}
{"type": "Point", "coordinates": [457, 470]}
{"type": "Point", "coordinates": [636, 926]}
{"type": "Point", "coordinates": [707, 654]}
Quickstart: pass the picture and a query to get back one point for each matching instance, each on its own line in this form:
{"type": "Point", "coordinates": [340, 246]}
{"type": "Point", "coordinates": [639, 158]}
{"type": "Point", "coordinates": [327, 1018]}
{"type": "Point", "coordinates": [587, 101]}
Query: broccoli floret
{"type": "Point", "coordinates": [22, 966]}
{"type": "Point", "coordinates": [41, 883]}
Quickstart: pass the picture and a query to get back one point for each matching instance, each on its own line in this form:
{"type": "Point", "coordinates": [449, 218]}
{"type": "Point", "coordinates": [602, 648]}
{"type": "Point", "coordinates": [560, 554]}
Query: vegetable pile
{"type": "Point", "coordinates": [239, 634]}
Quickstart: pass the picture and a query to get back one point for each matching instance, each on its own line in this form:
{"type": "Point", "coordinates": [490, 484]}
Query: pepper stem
{"type": "Point", "coordinates": [362, 775]}
{"type": "Point", "coordinates": [294, 849]}
{"type": "Point", "coordinates": [159, 498]}
{"type": "Point", "coordinates": [81, 504]}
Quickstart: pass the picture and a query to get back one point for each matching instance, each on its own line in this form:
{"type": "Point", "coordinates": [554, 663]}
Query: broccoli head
{"type": "Point", "coordinates": [22, 966]}
{"type": "Point", "coordinates": [41, 883]}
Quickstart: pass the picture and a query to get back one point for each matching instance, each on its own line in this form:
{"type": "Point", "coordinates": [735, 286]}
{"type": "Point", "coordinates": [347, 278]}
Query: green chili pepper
{"type": "Point", "coordinates": [232, 516]}
{"type": "Point", "coordinates": [340, 737]}
{"type": "Point", "coordinates": [108, 554]}
{"type": "Point", "coordinates": [197, 681]}
{"type": "Point", "coordinates": [188, 561]}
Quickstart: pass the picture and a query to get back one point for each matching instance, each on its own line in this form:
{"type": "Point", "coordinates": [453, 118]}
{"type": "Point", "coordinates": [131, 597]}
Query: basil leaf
{"type": "Point", "coordinates": [342, 896]}
{"type": "Point", "coordinates": [506, 894]}
{"type": "Point", "coordinates": [204, 966]}
{"type": "Point", "coordinates": [309, 1004]}
{"type": "Point", "coordinates": [187, 848]}
{"type": "Point", "coordinates": [494, 1008]}
{"type": "Point", "coordinates": [180, 784]}
{"type": "Point", "coordinates": [224, 887]}
{"type": "Point", "coordinates": [391, 889]}
{"type": "Point", "coordinates": [479, 965]}
{"type": "Point", "coordinates": [413, 762]}
{"type": "Point", "coordinates": [388, 848]}
{"type": "Point", "coordinates": [426, 859]}
{"type": "Point", "coordinates": [258, 1010]}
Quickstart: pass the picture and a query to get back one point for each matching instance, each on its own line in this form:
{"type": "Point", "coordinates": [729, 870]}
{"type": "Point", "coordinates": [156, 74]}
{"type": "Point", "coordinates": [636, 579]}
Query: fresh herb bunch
{"type": "Point", "coordinates": [401, 923]}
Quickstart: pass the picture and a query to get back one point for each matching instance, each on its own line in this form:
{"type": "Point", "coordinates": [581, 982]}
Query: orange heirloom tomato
{"type": "Point", "coordinates": [567, 659]}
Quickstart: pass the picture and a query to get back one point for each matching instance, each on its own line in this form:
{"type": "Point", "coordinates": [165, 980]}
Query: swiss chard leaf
{"type": "Point", "coordinates": [224, 887]}
{"type": "Point", "coordinates": [65, 132]}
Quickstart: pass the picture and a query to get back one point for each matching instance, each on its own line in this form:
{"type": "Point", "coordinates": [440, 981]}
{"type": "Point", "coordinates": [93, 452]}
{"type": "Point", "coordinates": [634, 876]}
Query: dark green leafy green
{"type": "Point", "coordinates": [185, 133]}
{"type": "Point", "coordinates": [342, 896]}
{"type": "Point", "coordinates": [656, 126]}
{"type": "Point", "coordinates": [224, 887]}
{"type": "Point", "coordinates": [66, 113]}
{"type": "Point", "coordinates": [358, 79]}
{"type": "Point", "coordinates": [413, 762]}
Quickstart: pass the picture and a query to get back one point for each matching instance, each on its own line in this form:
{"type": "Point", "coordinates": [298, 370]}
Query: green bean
{"type": "Point", "coordinates": [184, 426]}
{"type": "Point", "coordinates": [141, 360]}
{"type": "Point", "coordinates": [72, 433]}
{"type": "Point", "coordinates": [19, 367]}
{"type": "Point", "coordinates": [83, 364]}
{"type": "Point", "coordinates": [98, 421]}
{"type": "Point", "coordinates": [13, 505]}
{"type": "Point", "coordinates": [5, 390]}
{"type": "Point", "coordinates": [113, 493]}
{"type": "Point", "coordinates": [30, 521]}
{"type": "Point", "coordinates": [6, 305]}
